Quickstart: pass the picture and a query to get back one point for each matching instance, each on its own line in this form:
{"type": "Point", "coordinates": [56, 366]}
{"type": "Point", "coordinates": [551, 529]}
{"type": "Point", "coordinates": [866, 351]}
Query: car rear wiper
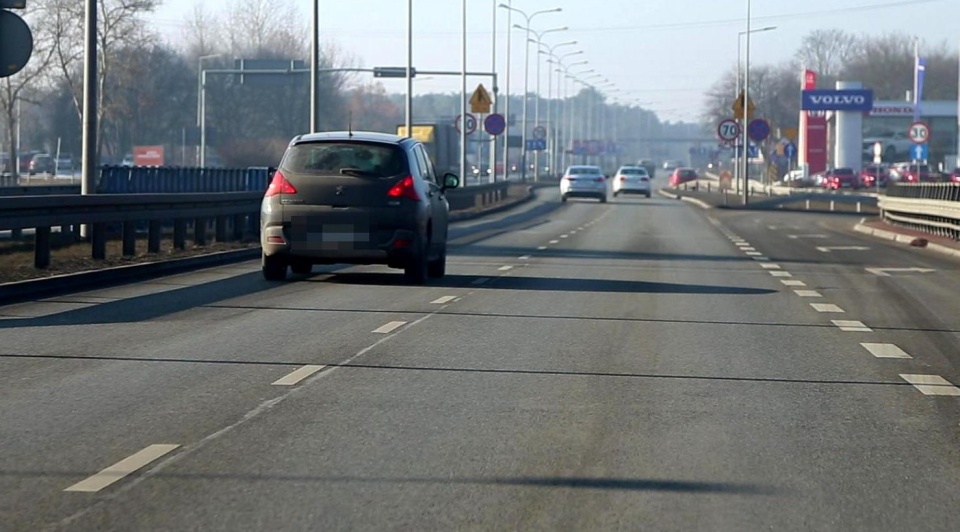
{"type": "Point", "coordinates": [357, 172]}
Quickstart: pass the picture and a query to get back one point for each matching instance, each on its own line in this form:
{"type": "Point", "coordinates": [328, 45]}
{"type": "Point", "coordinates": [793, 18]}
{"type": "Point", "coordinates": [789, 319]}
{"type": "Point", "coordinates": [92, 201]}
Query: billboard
{"type": "Point", "coordinates": [813, 131]}
{"type": "Point", "coordinates": [148, 155]}
{"type": "Point", "coordinates": [836, 100]}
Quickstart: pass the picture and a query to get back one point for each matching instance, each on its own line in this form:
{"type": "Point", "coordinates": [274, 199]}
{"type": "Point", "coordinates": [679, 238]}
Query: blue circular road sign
{"type": "Point", "coordinates": [758, 129]}
{"type": "Point", "coordinates": [495, 124]}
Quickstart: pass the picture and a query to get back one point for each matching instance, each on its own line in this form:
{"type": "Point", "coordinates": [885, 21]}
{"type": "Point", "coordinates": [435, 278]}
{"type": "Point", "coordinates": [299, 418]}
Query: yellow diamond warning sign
{"type": "Point", "coordinates": [738, 107]}
{"type": "Point", "coordinates": [481, 101]}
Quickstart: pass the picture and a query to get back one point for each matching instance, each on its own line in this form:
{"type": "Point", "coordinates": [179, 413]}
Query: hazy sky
{"type": "Point", "coordinates": [663, 53]}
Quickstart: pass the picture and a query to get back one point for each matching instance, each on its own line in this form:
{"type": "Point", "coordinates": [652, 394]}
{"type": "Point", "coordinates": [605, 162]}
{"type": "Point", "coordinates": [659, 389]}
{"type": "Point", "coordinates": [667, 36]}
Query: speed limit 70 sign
{"type": "Point", "coordinates": [919, 133]}
{"type": "Point", "coordinates": [728, 130]}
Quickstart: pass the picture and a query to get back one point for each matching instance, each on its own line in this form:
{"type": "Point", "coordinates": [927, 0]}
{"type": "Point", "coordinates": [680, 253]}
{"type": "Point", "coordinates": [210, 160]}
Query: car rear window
{"type": "Point", "coordinates": [584, 170]}
{"type": "Point", "coordinates": [633, 171]}
{"type": "Point", "coordinates": [688, 173]}
{"type": "Point", "coordinates": [356, 159]}
{"type": "Point", "coordinates": [843, 171]}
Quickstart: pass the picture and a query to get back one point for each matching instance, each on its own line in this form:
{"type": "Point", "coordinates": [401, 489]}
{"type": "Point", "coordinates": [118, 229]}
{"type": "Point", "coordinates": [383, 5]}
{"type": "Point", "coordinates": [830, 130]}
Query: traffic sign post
{"type": "Point", "coordinates": [728, 130]}
{"type": "Point", "coordinates": [471, 122]}
{"type": "Point", "coordinates": [920, 152]}
{"type": "Point", "coordinates": [495, 124]}
{"type": "Point", "coordinates": [919, 133]}
{"type": "Point", "coordinates": [758, 130]}
{"type": "Point", "coordinates": [480, 101]}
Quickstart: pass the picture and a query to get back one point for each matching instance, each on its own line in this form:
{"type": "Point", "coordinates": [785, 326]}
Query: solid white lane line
{"type": "Point", "coordinates": [851, 326]}
{"type": "Point", "coordinates": [807, 293]}
{"type": "Point", "coordinates": [482, 280]}
{"type": "Point", "coordinates": [443, 300]}
{"type": "Point", "coordinates": [524, 257]}
{"type": "Point", "coordinates": [780, 274]}
{"type": "Point", "coordinates": [793, 282]}
{"type": "Point", "coordinates": [770, 266]}
{"type": "Point", "coordinates": [885, 350]}
{"type": "Point", "coordinates": [827, 307]}
{"type": "Point", "coordinates": [122, 468]}
{"type": "Point", "coordinates": [828, 249]}
{"type": "Point", "coordinates": [554, 241]}
{"type": "Point", "coordinates": [390, 327]}
{"type": "Point", "coordinates": [931, 384]}
{"type": "Point", "coordinates": [505, 268]}
{"type": "Point", "coordinates": [296, 376]}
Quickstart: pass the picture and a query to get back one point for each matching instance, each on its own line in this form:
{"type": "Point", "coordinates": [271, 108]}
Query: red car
{"type": "Point", "coordinates": [871, 173]}
{"type": "Point", "coordinates": [915, 173]}
{"type": "Point", "coordinates": [682, 175]}
{"type": "Point", "coordinates": [841, 178]}
{"type": "Point", "coordinates": [954, 176]}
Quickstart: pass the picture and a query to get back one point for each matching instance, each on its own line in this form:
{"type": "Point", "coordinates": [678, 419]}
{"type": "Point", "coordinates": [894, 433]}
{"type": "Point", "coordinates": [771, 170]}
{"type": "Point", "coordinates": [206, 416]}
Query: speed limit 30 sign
{"type": "Point", "coordinates": [919, 133]}
{"type": "Point", "coordinates": [728, 130]}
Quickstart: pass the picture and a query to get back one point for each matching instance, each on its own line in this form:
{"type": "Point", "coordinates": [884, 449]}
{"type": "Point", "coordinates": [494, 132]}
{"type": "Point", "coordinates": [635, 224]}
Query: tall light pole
{"type": "Point", "coordinates": [408, 99]}
{"type": "Point", "coordinates": [592, 106]}
{"type": "Point", "coordinates": [552, 120]}
{"type": "Point", "coordinates": [463, 91]}
{"type": "Point", "coordinates": [496, 91]}
{"type": "Point", "coordinates": [314, 70]}
{"type": "Point", "coordinates": [563, 76]}
{"type": "Point", "coordinates": [736, 150]}
{"type": "Point", "coordinates": [579, 118]}
{"type": "Point", "coordinates": [506, 104]}
{"type": "Point", "coordinates": [536, 119]}
{"type": "Point", "coordinates": [526, 79]}
{"type": "Point", "coordinates": [200, 87]}
{"type": "Point", "coordinates": [746, 115]}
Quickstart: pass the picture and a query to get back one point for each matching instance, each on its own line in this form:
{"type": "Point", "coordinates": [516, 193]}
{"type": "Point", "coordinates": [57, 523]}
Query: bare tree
{"type": "Point", "coordinates": [827, 52]}
{"type": "Point", "coordinates": [25, 84]}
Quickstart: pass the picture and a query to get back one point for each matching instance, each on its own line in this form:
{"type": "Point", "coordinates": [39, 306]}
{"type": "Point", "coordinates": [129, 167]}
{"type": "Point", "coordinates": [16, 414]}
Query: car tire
{"type": "Point", "coordinates": [416, 270]}
{"type": "Point", "coordinates": [274, 267]}
{"type": "Point", "coordinates": [647, 194]}
{"type": "Point", "coordinates": [603, 199]}
{"type": "Point", "coordinates": [616, 194]}
{"type": "Point", "coordinates": [301, 267]}
{"type": "Point", "coordinates": [438, 268]}
{"type": "Point", "coordinates": [563, 198]}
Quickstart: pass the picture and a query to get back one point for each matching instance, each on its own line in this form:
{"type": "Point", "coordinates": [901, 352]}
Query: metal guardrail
{"type": "Point", "coordinates": [233, 214]}
{"type": "Point", "coordinates": [929, 207]}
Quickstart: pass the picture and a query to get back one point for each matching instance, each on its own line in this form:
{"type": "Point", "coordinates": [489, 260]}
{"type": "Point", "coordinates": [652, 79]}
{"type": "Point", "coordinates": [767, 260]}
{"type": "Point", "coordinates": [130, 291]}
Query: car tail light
{"type": "Point", "coordinates": [404, 189]}
{"type": "Point", "coordinates": [402, 243]}
{"type": "Point", "coordinates": [644, 178]}
{"type": "Point", "coordinates": [276, 240]}
{"type": "Point", "coordinates": [623, 178]}
{"type": "Point", "coordinates": [279, 185]}
{"type": "Point", "coordinates": [600, 179]}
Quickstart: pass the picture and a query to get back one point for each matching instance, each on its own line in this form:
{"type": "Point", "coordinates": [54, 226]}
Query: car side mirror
{"type": "Point", "coordinates": [450, 180]}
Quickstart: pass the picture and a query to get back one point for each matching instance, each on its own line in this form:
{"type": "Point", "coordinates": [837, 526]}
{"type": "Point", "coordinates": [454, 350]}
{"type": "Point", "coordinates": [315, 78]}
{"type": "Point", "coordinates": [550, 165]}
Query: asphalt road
{"type": "Point", "coordinates": [592, 367]}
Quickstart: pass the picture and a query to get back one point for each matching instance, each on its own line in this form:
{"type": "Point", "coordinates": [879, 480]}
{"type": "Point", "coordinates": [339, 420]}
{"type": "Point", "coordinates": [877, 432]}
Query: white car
{"type": "Point", "coordinates": [583, 182]}
{"type": "Point", "coordinates": [631, 180]}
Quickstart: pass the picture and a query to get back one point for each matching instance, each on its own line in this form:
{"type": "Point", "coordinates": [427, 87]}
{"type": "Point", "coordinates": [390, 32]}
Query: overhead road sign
{"type": "Point", "coordinates": [480, 101]}
{"type": "Point", "coordinates": [728, 130]}
{"type": "Point", "coordinates": [738, 106]}
{"type": "Point", "coordinates": [758, 129]}
{"type": "Point", "coordinates": [836, 100]}
{"type": "Point", "coordinates": [393, 72]}
{"type": "Point", "coordinates": [495, 124]}
{"type": "Point", "coordinates": [919, 133]}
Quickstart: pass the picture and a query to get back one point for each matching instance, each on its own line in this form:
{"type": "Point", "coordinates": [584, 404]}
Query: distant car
{"type": "Point", "coordinates": [672, 165]}
{"type": "Point", "coordinates": [954, 176]}
{"type": "Point", "coordinates": [356, 198]}
{"type": "Point", "coordinates": [41, 164]}
{"type": "Point", "coordinates": [583, 182]}
{"type": "Point", "coordinates": [682, 175]}
{"type": "Point", "coordinates": [64, 163]}
{"type": "Point", "coordinates": [910, 173]}
{"type": "Point", "coordinates": [841, 178]}
{"type": "Point", "coordinates": [650, 165]}
{"type": "Point", "coordinates": [631, 180]}
{"type": "Point", "coordinates": [894, 145]}
{"type": "Point", "coordinates": [874, 175]}
{"type": "Point", "coordinates": [127, 160]}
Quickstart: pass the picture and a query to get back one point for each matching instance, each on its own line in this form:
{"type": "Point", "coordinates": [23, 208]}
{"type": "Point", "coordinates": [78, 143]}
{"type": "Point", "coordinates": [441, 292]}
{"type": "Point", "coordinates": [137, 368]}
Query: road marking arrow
{"type": "Point", "coordinates": [828, 249]}
{"type": "Point", "coordinates": [885, 272]}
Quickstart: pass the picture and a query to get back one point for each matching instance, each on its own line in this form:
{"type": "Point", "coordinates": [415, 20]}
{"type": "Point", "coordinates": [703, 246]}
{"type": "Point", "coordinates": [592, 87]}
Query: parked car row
{"type": "Point", "coordinates": [873, 175]}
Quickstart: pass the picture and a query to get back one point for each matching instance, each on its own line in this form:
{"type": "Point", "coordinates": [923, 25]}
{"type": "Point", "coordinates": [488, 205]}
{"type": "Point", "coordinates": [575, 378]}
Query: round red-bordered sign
{"type": "Point", "coordinates": [919, 133]}
{"type": "Point", "coordinates": [728, 130]}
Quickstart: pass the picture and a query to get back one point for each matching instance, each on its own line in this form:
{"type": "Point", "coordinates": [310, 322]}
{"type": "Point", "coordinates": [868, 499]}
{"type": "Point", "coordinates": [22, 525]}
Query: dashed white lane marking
{"type": "Point", "coordinates": [744, 245]}
{"type": "Point", "coordinates": [754, 253]}
{"type": "Point", "coordinates": [390, 327]}
{"type": "Point", "coordinates": [482, 280]}
{"type": "Point", "coordinates": [781, 274]}
{"type": "Point", "coordinates": [827, 308]}
{"type": "Point", "coordinates": [761, 258]}
{"type": "Point", "coordinates": [793, 282]}
{"type": "Point", "coordinates": [541, 248]}
{"type": "Point", "coordinates": [296, 376]}
{"type": "Point", "coordinates": [122, 468]}
{"type": "Point", "coordinates": [808, 293]}
{"type": "Point", "coordinates": [770, 266]}
{"type": "Point", "coordinates": [885, 350]}
{"type": "Point", "coordinates": [806, 236]}
{"type": "Point", "coordinates": [573, 232]}
{"type": "Point", "coordinates": [554, 241]}
{"type": "Point", "coordinates": [443, 300]}
{"type": "Point", "coordinates": [524, 257]}
{"type": "Point", "coordinates": [505, 268]}
{"type": "Point", "coordinates": [564, 236]}
{"type": "Point", "coordinates": [851, 326]}
{"type": "Point", "coordinates": [931, 384]}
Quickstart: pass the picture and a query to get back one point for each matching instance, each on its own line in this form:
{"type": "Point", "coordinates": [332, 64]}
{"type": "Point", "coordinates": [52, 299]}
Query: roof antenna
{"type": "Point", "coordinates": [350, 123]}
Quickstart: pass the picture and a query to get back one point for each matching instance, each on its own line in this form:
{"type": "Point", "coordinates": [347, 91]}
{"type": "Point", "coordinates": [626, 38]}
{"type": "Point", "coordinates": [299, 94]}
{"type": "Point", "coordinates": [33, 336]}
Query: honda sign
{"type": "Point", "coordinates": [837, 100]}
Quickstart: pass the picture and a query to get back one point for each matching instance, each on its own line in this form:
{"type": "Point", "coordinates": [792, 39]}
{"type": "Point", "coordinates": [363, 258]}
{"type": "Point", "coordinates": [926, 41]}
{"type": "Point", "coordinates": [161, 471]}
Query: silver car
{"type": "Point", "coordinates": [583, 182]}
{"type": "Point", "coordinates": [631, 180]}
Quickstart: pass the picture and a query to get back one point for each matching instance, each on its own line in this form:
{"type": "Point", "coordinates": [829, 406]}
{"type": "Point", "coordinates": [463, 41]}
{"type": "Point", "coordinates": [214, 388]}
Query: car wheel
{"type": "Point", "coordinates": [616, 194]}
{"type": "Point", "coordinates": [301, 267]}
{"type": "Point", "coordinates": [438, 268]}
{"type": "Point", "coordinates": [603, 199]}
{"type": "Point", "coordinates": [274, 268]}
{"type": "Point", "coordinates": [416, 270]}
{"type": "Point", "coordinates": [647, 194]}
{"type": "Point", "coordinates": [563, 198]}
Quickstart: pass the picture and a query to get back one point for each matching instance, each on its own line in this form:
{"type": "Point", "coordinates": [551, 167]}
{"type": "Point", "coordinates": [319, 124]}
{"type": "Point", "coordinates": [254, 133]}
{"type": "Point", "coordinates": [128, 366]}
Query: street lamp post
{"type": "Point", "coordinates": [314, 67]}
{"type": "Point", "coordinates": [737, 146]}
{"type": "Point", "coordinates": [408, 99]}
{"type": "Point", "coordinates": [552, 135]}
{"type": "Point", "coordinates": [536, 119]}
{"type": "Point", "coordinates": [526, 78]}
{"type": "Point", "coordinates": [746, 115]}
{"type": "Point", "coordinates": [563, 76]}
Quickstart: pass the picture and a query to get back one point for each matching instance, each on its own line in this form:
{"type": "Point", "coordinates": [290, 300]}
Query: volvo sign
{"type": "Point", "coordinates": [837, 100]}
